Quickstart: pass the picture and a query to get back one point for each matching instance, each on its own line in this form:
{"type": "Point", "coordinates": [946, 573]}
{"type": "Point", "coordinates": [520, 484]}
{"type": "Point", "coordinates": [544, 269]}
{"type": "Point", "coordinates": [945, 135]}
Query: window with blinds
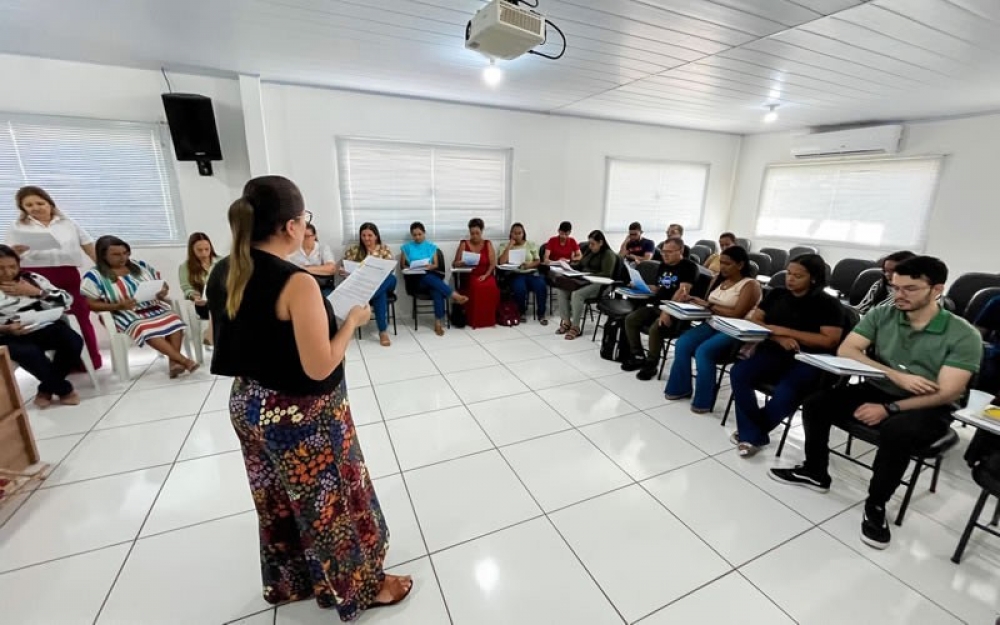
{"type": "Point", "coordinates": [393, 184]}
{"type": "Point", "coordinates": [869, 203]}
{"type": "Point", "coordinates": [110, 177]}
{"type": "Point", "coordinates": [654, 193]}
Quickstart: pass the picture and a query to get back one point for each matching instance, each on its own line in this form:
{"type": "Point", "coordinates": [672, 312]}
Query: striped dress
{"type": "Point", "coordinates": [149, 320]}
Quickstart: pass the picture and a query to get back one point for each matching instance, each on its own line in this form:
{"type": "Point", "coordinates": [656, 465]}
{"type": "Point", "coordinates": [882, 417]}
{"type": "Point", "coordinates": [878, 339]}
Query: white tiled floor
{"type": "Point", "coordinates": [524, 481]}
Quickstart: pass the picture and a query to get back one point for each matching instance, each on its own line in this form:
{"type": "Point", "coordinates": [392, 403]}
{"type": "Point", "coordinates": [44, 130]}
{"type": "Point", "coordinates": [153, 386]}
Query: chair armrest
{"type": "Point", "coordinates": [108, 321]}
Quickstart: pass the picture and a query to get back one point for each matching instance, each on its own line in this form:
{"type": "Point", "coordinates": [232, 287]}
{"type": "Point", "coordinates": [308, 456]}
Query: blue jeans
{"type": "Point", "coordinates": [521, 283]}
{"type": "Point", "coordinates": [795, 381]}
{"type": "Point", "coordinates": [708, 348]}
{"type": "Point", "coordinates": [439, 290]}
{"type": "Point", "coordinates": [380, 302]}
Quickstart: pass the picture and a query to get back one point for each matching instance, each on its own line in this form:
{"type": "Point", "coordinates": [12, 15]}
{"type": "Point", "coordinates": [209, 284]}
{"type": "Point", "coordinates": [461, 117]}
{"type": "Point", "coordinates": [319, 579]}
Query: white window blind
{"type": "Point", "coordinates": [394, 184]}
{"type": "Point", "coordinates": [110, 177]}
{"type": "Point", "coordinates": [654, 193]}
{"type": "Point", "coordinates": [870, 203]}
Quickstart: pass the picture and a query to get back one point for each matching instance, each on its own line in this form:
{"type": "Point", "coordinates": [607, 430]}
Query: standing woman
{"type": "Point", "coordinates": [322, 532]}
{"type": "Point", "coordinates": [193, 275]}
{"type": "Point", "coordinates": [481, 287]}
{"type": "Point", "coordinates": [370, 244]}
{"type": "Point", "coordinates": [61, 267]}
{"type": "Point", "coordinates": [521, 283]}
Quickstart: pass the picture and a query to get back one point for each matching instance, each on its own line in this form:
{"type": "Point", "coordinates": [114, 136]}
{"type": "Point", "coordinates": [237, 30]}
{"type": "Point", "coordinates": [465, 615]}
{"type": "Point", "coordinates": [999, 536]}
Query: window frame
{"type": "Point", "coordinates": [169, 184]}
{"type": "Point", "coordinates": [349, 236]}
{"type": "Point", "coordinates": [917, 246]}
{"type": "Point", "coordinates": [608, 163]}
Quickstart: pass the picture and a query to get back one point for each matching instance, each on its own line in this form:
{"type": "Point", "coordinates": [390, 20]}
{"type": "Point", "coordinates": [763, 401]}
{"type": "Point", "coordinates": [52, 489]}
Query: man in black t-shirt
{"type": "Point", "coordinates": [674, 281]}
{"type": "Point", "coordinates": [636, 248]}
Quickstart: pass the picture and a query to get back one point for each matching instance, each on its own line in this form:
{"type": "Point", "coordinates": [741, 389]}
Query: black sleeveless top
{"type": "Point", "coordinates": [256, 344]}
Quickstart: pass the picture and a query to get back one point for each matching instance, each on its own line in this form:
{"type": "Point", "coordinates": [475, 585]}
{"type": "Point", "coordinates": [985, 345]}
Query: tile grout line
{"type": "Point", "coordinates": [149, 512]}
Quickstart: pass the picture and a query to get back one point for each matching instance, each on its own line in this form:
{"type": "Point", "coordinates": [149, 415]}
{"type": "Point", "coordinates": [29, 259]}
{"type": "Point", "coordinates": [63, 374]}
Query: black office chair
{"type": "Point", "coordinates": [986, 474]}
{"type": "Point", "coordinates": [979, 301]}
{"type": "Point", "coordinates": [604, 302]}
{"type": "Point", "coordinates": [799, 250]}
{"type": "Point", "coordinates": [701, 252]}
{"type": "Point", "coordinates": [420, 296]}
{"type": "Point", "coordinates": [777, 280]}
{"type": "Point", "coordinates": [862, 284]}
{"type": "Point", "coordinates": [543, 270]}
{"type": "Point", "coordinates": [649, 270]}
{"type": "Point", "coordinates": [763, 261]}
{"type": "Point", "coordinates": [966, 286]}
{"type": "Point", "coordinates": [846, 272]}
{"type": "Point", "coordinates": [744, 243]}
{"type": "Point", "coordinates": [754, 269]}
{"type": "Point", "coordinates": [709, 243]}
{"type": "Point", "coordinates": [779, 257]}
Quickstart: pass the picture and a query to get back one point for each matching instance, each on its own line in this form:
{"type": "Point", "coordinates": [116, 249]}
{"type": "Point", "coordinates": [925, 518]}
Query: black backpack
{"type": "Point", "coordinates": [614, 342]}
{"type": "Point", "coordinates": [457, 317]}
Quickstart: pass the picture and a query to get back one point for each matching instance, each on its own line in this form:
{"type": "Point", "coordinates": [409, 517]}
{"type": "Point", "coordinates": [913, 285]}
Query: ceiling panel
{"type": "Point", "coordinates": [712, 64]}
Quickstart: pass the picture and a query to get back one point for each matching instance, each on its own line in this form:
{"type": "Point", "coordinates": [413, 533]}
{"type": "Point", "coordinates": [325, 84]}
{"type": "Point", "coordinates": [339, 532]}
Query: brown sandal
{"type": "Point", "coordinates": [564, 327]}
{"type": "Point", "coordinates": [401, 587]}
{"type": "Point", "coordinates": [573, 333]}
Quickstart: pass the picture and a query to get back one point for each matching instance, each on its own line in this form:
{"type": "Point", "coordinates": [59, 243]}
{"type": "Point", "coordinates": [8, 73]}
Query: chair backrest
{"type": "Point", "coordinates": [846, 272]}
{"type": "Point", "coordinates": [744, 243]}
{"type": "Point", "coordinates": [541, 250]}
{"type": "Point", "coordinates": [777, 280]}
{"type": "Point", "coordinates": [709, 243]}
{"type": "Point", "coordinates": [763, 262]}
{"type": "Point", "coordinates": [966, 285]}
{"type": "Point", "coordinates": [979, 301]}
{"type": "Point", "coordinates": [851, 318]}
{"type": "Point", "coordinates": [754, 269]}
{"type": "Point", "coordinates": [649, 270]}
{"type": "Point", "coordinates": [779, 257]}
{"type": "Point", "coordinates": [798, 250]}
{"type": "Point", "coordinates": [862, 284]}
{"type": "Point", "coordinates": [701, 252]}
{"type": "Point", "coordinates": [702, 282]}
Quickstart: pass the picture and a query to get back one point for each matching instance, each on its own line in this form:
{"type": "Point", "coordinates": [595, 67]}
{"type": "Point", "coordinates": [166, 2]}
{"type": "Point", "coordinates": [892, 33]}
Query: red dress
{"type": "Point", "coordinates": [484, 296]}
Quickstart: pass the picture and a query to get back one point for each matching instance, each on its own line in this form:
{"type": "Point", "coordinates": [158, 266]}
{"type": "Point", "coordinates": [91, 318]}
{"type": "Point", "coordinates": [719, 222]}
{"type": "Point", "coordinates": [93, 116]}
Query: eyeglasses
{"type": "Point", "coordinates": [909, 289]}
{"type": "Point", "coordinates": [308, 215]}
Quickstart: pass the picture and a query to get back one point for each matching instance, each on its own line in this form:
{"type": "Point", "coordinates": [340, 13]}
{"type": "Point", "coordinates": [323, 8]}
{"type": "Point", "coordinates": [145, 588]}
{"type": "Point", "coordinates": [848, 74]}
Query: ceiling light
{"type": "Point", "coordinates": [772, 115]}
{"type": "Point", "coordinates": [492, 75]}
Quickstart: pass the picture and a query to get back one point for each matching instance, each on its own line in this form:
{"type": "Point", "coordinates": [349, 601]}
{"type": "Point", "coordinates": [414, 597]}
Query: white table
{"type": "Point", "coordinates": [976, 420]}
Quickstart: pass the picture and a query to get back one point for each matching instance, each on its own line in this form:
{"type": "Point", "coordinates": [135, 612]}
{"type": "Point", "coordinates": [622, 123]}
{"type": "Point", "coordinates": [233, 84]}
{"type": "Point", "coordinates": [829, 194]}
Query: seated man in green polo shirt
{"type": "Point", "coordinates": [928, 355]}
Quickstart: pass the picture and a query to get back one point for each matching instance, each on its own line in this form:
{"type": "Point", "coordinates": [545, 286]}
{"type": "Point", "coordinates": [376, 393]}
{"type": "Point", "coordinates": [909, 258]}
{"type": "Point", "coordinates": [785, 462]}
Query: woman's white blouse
{"type": "Point", "coordinates": [67, 232]}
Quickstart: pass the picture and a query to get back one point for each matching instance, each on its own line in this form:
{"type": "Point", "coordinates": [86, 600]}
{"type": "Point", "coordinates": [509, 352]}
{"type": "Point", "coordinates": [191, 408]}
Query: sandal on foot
{"type": "Point", "coordinates": [543, 321]}
{"type": "Point", "coordinates": [734, 438]}
{"type": "Point", "coordinates": [573, 333]}
{"type": "Point", "coordinates": [72, 399]}
{"type": "Point", "coordinates": [383, 340]}
{"type": "Point", "coordinates": [43, 400]}
{"type": "Point", "coordinates": [176, 370]}
{"type": "Point", "coordinates": [745, 450]}
{"type": "Point", "coordinates": [398, 598]}
{"type": "Point", "coordinates": [700, 410]}
{"type": "Point", "coordinates": [438, 328]}
{"type": "Point", "coordinates": [564, 327]}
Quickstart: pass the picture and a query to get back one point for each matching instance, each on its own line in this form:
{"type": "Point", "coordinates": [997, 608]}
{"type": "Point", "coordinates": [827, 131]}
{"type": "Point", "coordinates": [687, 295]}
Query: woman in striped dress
{"type": "Point", "coordinates": [111, 287]}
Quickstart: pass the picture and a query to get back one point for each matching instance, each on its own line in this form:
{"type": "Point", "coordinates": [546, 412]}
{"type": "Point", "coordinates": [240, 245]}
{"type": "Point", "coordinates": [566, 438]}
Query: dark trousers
{"type": "Point", "coordinates": [793, 382]}
{"type": "Point", "coordinates": [521, 284]}
{"type": "Point", "coordinates": [648, 318]}
{"type": "Point", "coordinates": [28, 351]}
{"type": "Point", "coordinates": [899, 435]}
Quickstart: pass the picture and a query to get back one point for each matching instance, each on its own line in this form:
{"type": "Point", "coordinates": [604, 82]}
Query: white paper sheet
{"type": "Point", "coordinates": [359, 287]}
{"type": "Point", "coordinates": [39, 317]}
{"type": "Point", "coordinates": [418, 264]}
{"type": "Point", "coordinates": [516, 257]}
{"type": "Point", "coordinates": [148, 290]}
{"type": "Point", "coordinates": [350, 266]}
{"type": "Point", "coordinates": [471, 259]}
{"type": "Point", "coordinates": [36, 241]}
{"type": "Point", "coordinates": [840, 365]}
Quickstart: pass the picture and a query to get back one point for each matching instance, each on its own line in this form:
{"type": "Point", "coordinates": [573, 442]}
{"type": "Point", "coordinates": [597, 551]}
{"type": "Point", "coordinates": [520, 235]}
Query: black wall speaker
{"type": "Point", "coordinates": [192, 128]}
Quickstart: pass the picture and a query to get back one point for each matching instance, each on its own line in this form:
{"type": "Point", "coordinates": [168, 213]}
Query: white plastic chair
{"type": "Point", "coordinates": [121, 343]}
{"type": "Point", "coordinates": [196, 328]}
{"type": "Point", "coordinates": [85, 356]}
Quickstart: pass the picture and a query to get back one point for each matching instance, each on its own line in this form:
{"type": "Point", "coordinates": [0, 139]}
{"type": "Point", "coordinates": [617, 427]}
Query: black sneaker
{"type": "Point", "coordinates": [874, 528]}
{"type": "Point", "coordinates": [648, 371]}
{"type": "Point", "coordinates": [633, 363]}
{"type": "Point", "coordinates": [799, 476]}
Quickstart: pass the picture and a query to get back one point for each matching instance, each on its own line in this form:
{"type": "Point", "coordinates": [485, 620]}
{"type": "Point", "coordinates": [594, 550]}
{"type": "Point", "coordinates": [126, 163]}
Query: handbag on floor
{"type": "Point", "coordinates": [508, 314]}
{"type": "Point", "coordinates": [614, 342]}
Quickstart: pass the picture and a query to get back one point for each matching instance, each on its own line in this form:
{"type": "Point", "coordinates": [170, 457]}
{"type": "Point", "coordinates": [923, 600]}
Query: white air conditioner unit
{"type": "Point", "coordinates": [503, 30]}
{"type": "Point", "coordinates": [856, 141]}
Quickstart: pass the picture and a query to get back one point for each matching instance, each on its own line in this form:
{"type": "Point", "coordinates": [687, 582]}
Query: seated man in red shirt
{"type": "Point", "coordinates": [562, 246]}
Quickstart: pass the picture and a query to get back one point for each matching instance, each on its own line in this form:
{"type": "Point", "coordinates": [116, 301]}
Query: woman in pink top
{"type": "Point", "coordinates": [61, 266]}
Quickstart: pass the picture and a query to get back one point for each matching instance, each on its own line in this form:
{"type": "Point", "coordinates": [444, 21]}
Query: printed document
{"type": "Point", "coordinates": [360, 286]}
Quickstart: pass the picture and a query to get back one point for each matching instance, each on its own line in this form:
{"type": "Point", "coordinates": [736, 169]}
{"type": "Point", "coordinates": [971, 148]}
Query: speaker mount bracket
{"type": "Point", "coordinates": [204, 167]}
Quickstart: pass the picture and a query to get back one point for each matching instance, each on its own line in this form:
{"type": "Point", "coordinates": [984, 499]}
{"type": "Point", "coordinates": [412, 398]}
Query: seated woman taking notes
{"type": "Point", "coordinates": [370, 244]}
{"type": "Point", "coordinates": [24, 292]}
{"type": "Point", "coordinates": [521, 283]}
{"type": "Point", "coordinates": [599, 260]}
{"type": "Point", "coordinates": [422, 252]}
{"type": "Point", "coordinates": [111, 286]}
{"type": "Point", "coordinates": [481, 285]}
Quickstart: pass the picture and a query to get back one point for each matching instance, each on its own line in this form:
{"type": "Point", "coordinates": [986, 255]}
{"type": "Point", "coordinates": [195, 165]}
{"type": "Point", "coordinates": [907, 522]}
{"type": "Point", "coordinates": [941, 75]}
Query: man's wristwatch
{"type": "Point", "coordinates": [892, 408]}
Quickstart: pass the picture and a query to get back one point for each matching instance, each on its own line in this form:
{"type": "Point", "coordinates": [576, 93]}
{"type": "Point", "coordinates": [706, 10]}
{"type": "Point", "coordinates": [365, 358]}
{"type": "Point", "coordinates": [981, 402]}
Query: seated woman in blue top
{"type": "Point", "coordinates": [732, 294]}
{"type": "Point", "coordinates": [420, 249]}
{"type": "Point", "coordinates": [801, 318]}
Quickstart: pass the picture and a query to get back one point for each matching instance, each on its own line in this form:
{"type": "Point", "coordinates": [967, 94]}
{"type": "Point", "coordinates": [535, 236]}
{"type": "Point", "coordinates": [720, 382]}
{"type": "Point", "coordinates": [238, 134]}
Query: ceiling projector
{"type": "Point", "coordinates": [504, 30]}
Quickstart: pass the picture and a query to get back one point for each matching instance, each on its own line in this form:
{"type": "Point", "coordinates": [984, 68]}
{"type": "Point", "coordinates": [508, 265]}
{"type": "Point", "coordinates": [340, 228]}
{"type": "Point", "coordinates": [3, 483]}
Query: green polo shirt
{"type": "Point", "coordinates": [947, 341]}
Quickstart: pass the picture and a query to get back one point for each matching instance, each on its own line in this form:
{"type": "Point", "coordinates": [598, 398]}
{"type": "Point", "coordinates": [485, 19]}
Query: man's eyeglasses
{"type": "Point", "coordinates": [909, 289]}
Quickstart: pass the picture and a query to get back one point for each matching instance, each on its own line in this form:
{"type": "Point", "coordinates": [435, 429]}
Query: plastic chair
{"type": "Point", "coordinates": [744, 243]}
{"type": "Point", "coordinates": [419, 296]}
{"type": "Point", "coordinates": [121, 343]}
{"type": "Point", "coordinates": [779, 257]}
{"type": "Point", "coordinates": [846, 272]}
{"type": "Point", "coordinates": [764, 262]}
{"type": "Point", "coordinates": [979, 301]}
{"type": "Point", "coordinates": [85, 355]}
{"type": "Point", "coordinates": [862, 284]}
{"type": "Point", "coordinates": [709, 243]}
{"type": "Point", "coordinates": [966, 286]}
{"type": "Point", "coordinates": [701, 252]}
{"type": "Point", "coordinates": [185, 308]}
{"type": "Point", "coordinates": [777, 280]}
{"type": "Point", "coordinates": [799, 250]}
{"type": "Point", "coordinates": [987, 475]}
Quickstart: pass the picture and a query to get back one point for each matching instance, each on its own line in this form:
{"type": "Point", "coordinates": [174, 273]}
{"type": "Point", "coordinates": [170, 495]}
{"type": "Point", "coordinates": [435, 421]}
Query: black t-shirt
{"type": "Point", "coordinates": [641, 247]}
{"type": "Point", "coordinates": [671, 277]}
{"type": "Point", "coordinates": [806, 314]}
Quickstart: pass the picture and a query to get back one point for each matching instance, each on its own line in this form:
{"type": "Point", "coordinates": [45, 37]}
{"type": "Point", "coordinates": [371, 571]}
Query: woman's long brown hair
{"type": "Point", "coordinates": [196, 273]}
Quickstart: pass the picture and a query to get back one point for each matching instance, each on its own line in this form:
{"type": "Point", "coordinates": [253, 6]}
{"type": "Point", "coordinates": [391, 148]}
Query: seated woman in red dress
{"type": "Point", "coordinates": [481, 285]}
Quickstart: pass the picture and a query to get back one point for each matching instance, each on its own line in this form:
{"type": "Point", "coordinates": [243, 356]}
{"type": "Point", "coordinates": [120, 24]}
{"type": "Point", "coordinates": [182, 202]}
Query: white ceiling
{"type": "Point", "coordinates": [710, 64]}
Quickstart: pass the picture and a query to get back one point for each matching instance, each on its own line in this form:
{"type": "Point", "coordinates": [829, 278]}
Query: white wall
{"type": "Point", "coordinates": [965, 218]}
{"type": "Point", "coordinates": [43, 86]}
{"type": "Point", "coordinates": [558, 168]}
